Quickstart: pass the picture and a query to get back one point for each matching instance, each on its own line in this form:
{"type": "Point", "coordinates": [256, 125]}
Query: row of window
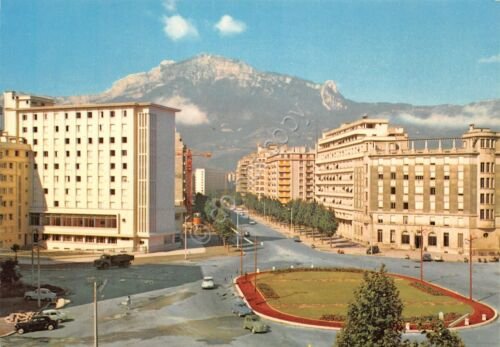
{"type": "Point", "coordinates": [77, 114]}
{"type": "Point", "coordinates": [89, 221]}
{"type": "Point", "coordinates": [487, 198]}
{"type": "Point", "coordinates": [486, 214]}
{"type": "Point", "coordinates": [419, 205]}
{"type": "Point", "coordinates": [487, 167]}
{"type": "Point", "coordinates": [405, 238]}
{"type": "Point", "coordinates": [112, 166]}
{"type": "Point", "coordinates": [90, 128]}
{"type": "Point", "coordinates": [16, 153]}
{"type": "Point", "coordinates": [487, 183]}
{"type": "Point", "coordinates": [112, 153]}
{"type": "Point", "coordinates": [487, 143]}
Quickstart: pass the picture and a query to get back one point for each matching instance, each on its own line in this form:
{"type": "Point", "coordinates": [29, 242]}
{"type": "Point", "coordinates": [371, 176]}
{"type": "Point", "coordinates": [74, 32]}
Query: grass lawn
{"type": "Point", "coordinates": [311, 294]}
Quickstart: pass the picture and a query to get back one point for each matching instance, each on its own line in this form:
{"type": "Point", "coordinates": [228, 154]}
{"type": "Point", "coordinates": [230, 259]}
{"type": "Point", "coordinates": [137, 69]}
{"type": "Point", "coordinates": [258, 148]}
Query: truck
{"type": "Point", "coordinates": [106, 260]}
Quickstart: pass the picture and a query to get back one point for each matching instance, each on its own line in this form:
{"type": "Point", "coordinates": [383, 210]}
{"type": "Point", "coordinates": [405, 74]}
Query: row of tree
{"type": "Point", "coordinates": [297, 212]}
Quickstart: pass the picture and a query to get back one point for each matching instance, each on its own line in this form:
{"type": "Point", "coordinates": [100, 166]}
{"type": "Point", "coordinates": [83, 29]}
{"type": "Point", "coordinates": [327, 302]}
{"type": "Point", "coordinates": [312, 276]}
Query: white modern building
{"type": "Point", "coordinates": [207, 181]}
{"type": "Point", "coordinates": [103, 174]}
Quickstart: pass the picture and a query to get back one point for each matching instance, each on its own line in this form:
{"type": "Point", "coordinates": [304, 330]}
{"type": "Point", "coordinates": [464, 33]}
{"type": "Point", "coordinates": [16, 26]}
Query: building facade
{"type": "Point", "coordinates": [398, 193]}
{"type": "Point", "coordinates": [103, 174]}
{"type": "Point", "coordinates": [290, 174]}
{"type": "Point", "coordinates": [208, 181]}
{"type": "Point", "coordinates": [15, 186]}
{"type": "Point", "coordinates": [242, 174]}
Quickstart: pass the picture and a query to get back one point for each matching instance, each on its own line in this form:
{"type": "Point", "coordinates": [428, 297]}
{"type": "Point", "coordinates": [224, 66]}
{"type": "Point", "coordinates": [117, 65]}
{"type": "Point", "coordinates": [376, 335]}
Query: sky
{"type": "Point", "coordinates": [419, 52]}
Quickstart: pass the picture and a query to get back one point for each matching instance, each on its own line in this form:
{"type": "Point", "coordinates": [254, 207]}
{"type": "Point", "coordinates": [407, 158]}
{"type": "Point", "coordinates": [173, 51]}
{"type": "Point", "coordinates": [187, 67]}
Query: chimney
{"type": "Point", "coordinates": [471, 126]}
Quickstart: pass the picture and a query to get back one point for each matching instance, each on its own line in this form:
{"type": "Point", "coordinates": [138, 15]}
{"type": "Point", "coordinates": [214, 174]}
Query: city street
{"type": "Point", "coordinates": [168, 306]}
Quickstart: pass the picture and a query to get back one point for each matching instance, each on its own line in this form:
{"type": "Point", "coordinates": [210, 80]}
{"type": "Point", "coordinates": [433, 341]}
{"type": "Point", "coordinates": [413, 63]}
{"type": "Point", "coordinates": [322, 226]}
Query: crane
{"type": "Point", "coordinates": [188, 155]}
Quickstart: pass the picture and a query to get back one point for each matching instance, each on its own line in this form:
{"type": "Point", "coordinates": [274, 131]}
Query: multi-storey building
{"type": "Point", "coordinates": [103, 173]}
{"type": "Point", "coordinates": [15, 183]}
{"type": "Point", "coordinates": [180, 181]}
{"type": "Point", "coordinates": [290, 174]}
{"type": "Point", "coordinates": [242, 173]}
{"type": "Point", "coordinates": [208, 181]}
{"type": "Point", "coordinates": [256, 172]}
{"type": "Point", "coordinates": [401, 193]}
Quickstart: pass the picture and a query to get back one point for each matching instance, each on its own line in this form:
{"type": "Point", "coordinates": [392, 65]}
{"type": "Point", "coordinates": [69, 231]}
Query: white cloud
{"type": "Point", "coordinates": [177, 28]}
{"type": "Point", "coordinates": [227, 25]}
{"type": "Point", "coordinates": [478, 115]}
{"type": "Point", "coordinates": [170, 5]}
{"type": "Point", "coordinates": [489, 60]}
{"type": "Point", "coordinates": [190, 113]}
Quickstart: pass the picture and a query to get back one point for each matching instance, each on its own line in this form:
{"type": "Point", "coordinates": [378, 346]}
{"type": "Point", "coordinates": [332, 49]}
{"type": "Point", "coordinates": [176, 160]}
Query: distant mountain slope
{"type": "Point", "coordinates": [229, 107]}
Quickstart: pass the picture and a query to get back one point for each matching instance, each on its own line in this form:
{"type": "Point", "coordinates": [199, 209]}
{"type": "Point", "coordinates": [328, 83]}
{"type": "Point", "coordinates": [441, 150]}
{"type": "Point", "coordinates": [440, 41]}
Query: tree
{"type": "Point", "coordinates": [223, 226]}
{"type": "Point", "coordinates": [437, 336]}
{"type": "Point", "coordinates": [199, 204]}
{"type": "Point", "coordinates": [9, 274]}
{"type": "Point", "coordinates": [15, 248]}
{"type": "Point", "coordinates": [374, 316]}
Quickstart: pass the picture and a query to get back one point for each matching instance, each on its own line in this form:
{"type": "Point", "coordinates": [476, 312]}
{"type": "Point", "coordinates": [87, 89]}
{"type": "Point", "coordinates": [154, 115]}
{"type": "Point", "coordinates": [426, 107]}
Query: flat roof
{"type": "Point", "coordinates": [96, 106]}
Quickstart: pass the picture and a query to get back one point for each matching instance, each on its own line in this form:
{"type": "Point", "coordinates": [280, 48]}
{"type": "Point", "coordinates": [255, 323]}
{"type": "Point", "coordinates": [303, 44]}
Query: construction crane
{"type": "Point", "coordinates": [188, 164]}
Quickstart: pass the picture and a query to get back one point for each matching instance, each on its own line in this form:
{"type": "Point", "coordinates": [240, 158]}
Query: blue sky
{"type": "Point", "coordinates": [421, 52]}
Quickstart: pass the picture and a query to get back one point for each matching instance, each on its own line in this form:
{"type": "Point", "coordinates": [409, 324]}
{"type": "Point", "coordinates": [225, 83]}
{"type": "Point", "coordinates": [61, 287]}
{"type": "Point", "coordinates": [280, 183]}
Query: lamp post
{"type": "Point", "coordinates": [95, 315]}
{"type": "Point", "coordinates": [185, 237]}
{"type": "Point", "coordinates": [291, 217]}
{"type": "Point", "coordinates": [485, 235]}
{"type": "Point", "coordinates": [422, 253]}
{"type": "Point", "coordinates": [237, 229]}
{"type": "Point", "coordinates": [255, 264]}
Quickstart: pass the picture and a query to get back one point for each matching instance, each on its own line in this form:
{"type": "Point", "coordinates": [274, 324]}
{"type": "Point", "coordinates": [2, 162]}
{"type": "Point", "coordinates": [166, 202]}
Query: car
{"type": "Point", "coordinates": [438, 258]}
{"type": "Point", "coordinates": [296, 239]}
{"type": "Point", "coordinates": [241, 309]}
{"type": "Point", "coordinates": [246, 234]}
{"type": "Point", "coordinates": [254, 324]}
{"type": "Point", "coordinates": [252, 222]}
{"type": "Point", "coordinates": [426, 257]}
{"type": "Point", "coordinates": [36, 323]}
{"type": "Point", "coordinates": [373, 250]}
{"type": "Point", "coordinates": [208, 283]}
{"type": "Point", "coordinates": [56, 315]}
{"type": "Point", "coordinates": [45, 295]}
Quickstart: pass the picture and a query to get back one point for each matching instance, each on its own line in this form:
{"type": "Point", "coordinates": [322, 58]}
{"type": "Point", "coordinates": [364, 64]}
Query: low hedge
{"type": "Point", "coordinates": [329, 269]}
{"type": "Point", "coordinates": [333, 317]}
{"type": "Point", "coordinates": [267, 291]}
{"type": "Point", "coordinates": [426, 288]}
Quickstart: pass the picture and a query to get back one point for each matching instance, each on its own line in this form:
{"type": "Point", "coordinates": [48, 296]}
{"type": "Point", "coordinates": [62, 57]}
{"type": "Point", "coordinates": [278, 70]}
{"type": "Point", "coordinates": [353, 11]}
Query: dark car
{"type": "Point", "coordinates": [426, 257]}
{"type": "Point", "coordinates": [36, 323]}
{"type": "Point", "coordinates": [373, 250]}
{"type": "Point", "coordinates": [296, 239]}
{"type": "Point", "coordinates": [241, 309]}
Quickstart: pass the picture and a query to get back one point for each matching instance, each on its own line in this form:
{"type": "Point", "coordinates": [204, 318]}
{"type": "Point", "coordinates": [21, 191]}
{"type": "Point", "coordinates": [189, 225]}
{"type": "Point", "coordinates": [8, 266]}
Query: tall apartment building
{"type": "Point", "coordinates": [103, 173]}
{"type": "Point", "coordinates": [290, 174]}
{"type": "Point", "coordinates": [208, 181]}
{"type": "Point", "coordinates": [180, 181]}
{"type": "Point", "coordinates": [256, 172]}
{"type": "Point", "coordinates": [15, 184]}
{"type": "Point", "coordinates": [242, 173]}
{"type": "Point", "coordinates": [386, 189]}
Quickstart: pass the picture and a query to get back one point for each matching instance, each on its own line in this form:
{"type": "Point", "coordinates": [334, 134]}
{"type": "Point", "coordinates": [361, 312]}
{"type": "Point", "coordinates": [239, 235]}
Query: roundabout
{"type": "Point", "coordinates": [320, 298]}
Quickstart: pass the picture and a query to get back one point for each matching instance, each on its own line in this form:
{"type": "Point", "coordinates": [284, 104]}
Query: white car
{"type": "Point", "coordinates": [56, 315]}
{"type": "Point", "coordinates": [45, 295]}
{"type": "Point", "coordinates": [208, 283]}
{"type": "Point", "coordinates": [252, 222]}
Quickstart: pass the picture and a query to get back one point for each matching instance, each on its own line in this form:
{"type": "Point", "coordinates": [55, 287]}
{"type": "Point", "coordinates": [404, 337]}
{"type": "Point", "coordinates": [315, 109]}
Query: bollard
{"type": "Point", "coordinates": [312, 266]}
{"type": "Point", "coordinates": [258, 270]}
{"type": "Point", "coordinates": [483, 317]}
{"type": "Point", "coordinates": [274, 268]}
{"type": "Point", "coordinates": [466, 322]}
{"type": "Point", "coordinates": [441, 316]}
{"type": "Point", "coordinates": [407, 326]}
{"type": "Point", "coordinates": [291, 266]}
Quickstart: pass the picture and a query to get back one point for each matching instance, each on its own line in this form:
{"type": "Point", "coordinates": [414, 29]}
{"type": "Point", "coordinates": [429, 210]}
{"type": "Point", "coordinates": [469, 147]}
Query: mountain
{"type": "Point", "coordinates": [228, 107]}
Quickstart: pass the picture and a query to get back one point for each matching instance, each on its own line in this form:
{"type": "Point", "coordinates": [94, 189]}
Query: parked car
{"type": "Point", "coordinates": [252, 222]}
{"type": "Point", "coordinates": [254, 324]}
{"type": "Point", "coordinates": [426, 257]}
{"type": "Point", "coordinates": [296, 239]}
{"type": "Point", "coordinates": [241, 309]}
{"type": "Point", "coordinates": [438, 258]}
{"type": "Point", "coordinates": [58, 316]}
{"type": "Point", "coordinates": [45, 295]}
{"type": "Point", "coordinates": [36, 323]}
{"type": "Point", "coordinates": [208, 283]}
{"type": "Point", "coordinates": [373, 250]}
{"type": "Point", "coordinates": [246, 234]}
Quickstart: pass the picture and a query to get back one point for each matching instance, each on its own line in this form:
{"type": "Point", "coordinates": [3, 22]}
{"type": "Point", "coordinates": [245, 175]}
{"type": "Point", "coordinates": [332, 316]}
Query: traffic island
{"type": "Point", "coordinates": [319, 297]}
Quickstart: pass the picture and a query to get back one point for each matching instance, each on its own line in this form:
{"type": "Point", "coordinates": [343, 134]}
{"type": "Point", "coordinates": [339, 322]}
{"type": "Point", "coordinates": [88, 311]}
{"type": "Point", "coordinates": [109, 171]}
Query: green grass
{"type": "Point", "coordinates": [311, 294]}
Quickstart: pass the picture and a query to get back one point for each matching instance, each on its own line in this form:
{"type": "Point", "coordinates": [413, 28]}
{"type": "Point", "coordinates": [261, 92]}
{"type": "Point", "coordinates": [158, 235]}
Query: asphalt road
{"type": "Point", "coordinates": [169, 307]}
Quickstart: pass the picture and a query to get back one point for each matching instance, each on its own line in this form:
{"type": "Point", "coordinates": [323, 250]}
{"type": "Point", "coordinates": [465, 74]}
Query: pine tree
{"type": "Point", "coordinates": [374, 318]}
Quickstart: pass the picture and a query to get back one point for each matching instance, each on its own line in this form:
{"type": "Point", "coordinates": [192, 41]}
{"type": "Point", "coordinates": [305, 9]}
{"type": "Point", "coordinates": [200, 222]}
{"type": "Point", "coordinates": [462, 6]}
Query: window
{"type": "Point", "coordinates": [380, 235]}
{"type": "Point", "coordinates": [111, 192]}
{"type": "Point", "coordinates": [432, 239]}
{"type": "Point", "coordinates": [380, 176]}
{"type": "Point", "coordinates": [446, 239]}
{"type": "Point", "coordinates": [78, 140]}
{"type": "Point", "coordinates": [78, 115]}
{"type": "Point", "coordinates": [433, 191]}
{"type": "Point", "coordinates": [393, 236]}
{"type": "Point", "coordinates": [405, 205]}
{"type": "Point", "coordinates": [124, 166]}
{"type": "Point", "coordinates": [56, 166]}
{"type": "Point", "coordinates": [90, 140]}
{"type": "Point", "coordinates": [66, 141]}
{"type": "Point", "coordinates": [45, 190]}
{"type": "Point", "coordinates": [393, 205]}
{"type": "Point", "coordinates": [111, 140]}
{"type": "Point", "coordinates": [419, 177]}
{"type": "Point", "coordinates": [460, 240]}
{"type": "Point", "coordinates": [89, 114]}
{"type": "Point", "coordinates": [112, 165]}
{"type": "Point", "coordinates": [380, 220]}
{"type": "Point", "coordinates": [101, 140]}
{"type": "Point", "coordinates": [112, 113]}
{"type": "Point", "coordinates": [112, 152]}
{"type": "Point", "coordinates": [405, 238]}
{"type": "Point", "coordinates": [78, 178]}
{"type": "Point", "coordinates": [405, 219]}
{"type": "Point", "coordinates": [112, 178]}
{"type": "Point", "coordinates": [56, 203]}
{"type": "Point", "coordinates": [393, 190]}
{"type": "Point", "coordinates": [56, 128]}
{"type": "Point", "coordinates": [124, 140]}
{"type": "Point", "coordinates": [124, 152]}
{"type": "Point", "coordinates": [393, 175]}
{"type": "Point", "coordinates": [405, 177]}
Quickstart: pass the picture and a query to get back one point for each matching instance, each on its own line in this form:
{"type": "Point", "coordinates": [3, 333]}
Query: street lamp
{"type": "Point", "coordinates": [35, 242]}
{"type": "Point", "coordinates": [255, 264]}
{"type": "Point", "coordinates": [422, 253]}
{"type": "Point", "coordinates": [291, 217]}
{"type": "Point", "coordinates": [185, 236]}
{"type": "Point", "coordinates": [485, 235]}
{"type": "Point", "coordinates": [237, 229]}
